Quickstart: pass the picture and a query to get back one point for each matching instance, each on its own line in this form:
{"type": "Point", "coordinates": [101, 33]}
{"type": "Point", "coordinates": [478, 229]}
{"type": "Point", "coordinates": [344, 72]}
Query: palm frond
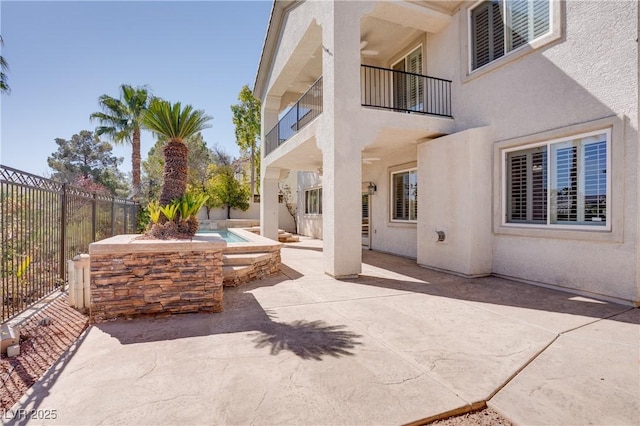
{"type": "Point", "coordinates": [174, 121]}
{"type": "Point", "coordinates": [122, 115]}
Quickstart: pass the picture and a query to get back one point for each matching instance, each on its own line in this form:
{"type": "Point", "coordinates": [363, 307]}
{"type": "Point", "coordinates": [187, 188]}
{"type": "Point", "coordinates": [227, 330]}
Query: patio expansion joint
{"type": "Point", "coordinates": [557, 336]}
{"type": "Point", "coordinates": [597, 321]}
{"type": "Point", "coordinates": [525, 365]}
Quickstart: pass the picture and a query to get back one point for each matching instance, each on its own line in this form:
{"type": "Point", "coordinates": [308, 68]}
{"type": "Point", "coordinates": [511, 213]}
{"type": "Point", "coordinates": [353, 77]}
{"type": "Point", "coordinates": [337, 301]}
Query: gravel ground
{"type": "Point", "coordinates": [43, 339]}
{"type": "Point", "coordinates": [485, 417]}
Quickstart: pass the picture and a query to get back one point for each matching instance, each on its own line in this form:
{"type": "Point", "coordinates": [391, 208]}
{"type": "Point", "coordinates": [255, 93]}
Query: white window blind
{"type": "Point", "coordinates": [527, 191]}
{"type": "Point", "coordinates": [408, 88]}
{"type": "Point", "coordinates": [416, 83]}
{"type": "Point", "coordinates": [498, 27]}
{"type": "Point", "coordinates": [405, 195]}
{"type": "Point", "coordinates": [579, 181]}
{"type": "Point", "coordinates": [487, 32]}
{"type": "Point", "coordinates": [595, 181]}
{"type": "Point", "coordinates": [576, 175]}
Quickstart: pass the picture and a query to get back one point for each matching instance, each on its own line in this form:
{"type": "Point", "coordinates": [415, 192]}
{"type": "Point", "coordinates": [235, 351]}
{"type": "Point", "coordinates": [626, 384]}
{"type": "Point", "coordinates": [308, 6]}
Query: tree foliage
{"type": "Point", "coordinates": [121, 120]}
{"type": "Point", "coordinates": [4, 67]}
{"type": "Point", "coordinates": [176, 123]}
{"type": "Point", "coordinates": [246, 119]}
{"type": "Point", "coordinates": [225, 190]}
{"type": "Point", "coordinates": [85, 159]}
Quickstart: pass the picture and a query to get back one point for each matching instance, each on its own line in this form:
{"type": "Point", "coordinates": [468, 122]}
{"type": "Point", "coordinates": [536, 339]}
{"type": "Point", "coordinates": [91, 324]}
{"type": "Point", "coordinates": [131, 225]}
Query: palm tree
{"type": "Point", "coordinates": [121, 121]}
{"type": "Point", "coordinates": [177, 124]}
{"type": "Point", "coordinates": [4, 66]}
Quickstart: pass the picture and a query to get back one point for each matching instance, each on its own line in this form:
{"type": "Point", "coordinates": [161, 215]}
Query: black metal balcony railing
{"type": "Point", "coordinates": [380, 88]}
{"type": "Point", "coordinates": [405, 91]}
{"type": "Point", "coordinates": [308, 107]}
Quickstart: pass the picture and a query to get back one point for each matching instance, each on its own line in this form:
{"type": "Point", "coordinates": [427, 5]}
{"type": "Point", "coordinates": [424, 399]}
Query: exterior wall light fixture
{"type": "Point", "coordinates": [372, 188]}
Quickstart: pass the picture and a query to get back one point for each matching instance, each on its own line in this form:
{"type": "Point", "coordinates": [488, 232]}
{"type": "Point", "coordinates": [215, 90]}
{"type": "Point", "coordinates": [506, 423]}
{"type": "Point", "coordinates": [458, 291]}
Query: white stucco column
{"type": "Point", "coordinates": [269, 203]}
{"type": "Point", "coordinates": [269, 175]}
{"type": "Point", "coordinates": [340, 141]}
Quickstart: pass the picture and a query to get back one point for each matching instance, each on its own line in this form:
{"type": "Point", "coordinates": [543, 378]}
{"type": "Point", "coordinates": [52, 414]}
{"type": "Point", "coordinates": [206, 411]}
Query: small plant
{"type": "Point", "coordinates": [190, 204]}
{"type": "Point", "coordinates": [170, 211]}
{"type": "Point", "coordinates": [178, 218]}
{"type": "Point", "coordinates": [154, 211]}
{"type": "Point", "coordinates": [143, 219]}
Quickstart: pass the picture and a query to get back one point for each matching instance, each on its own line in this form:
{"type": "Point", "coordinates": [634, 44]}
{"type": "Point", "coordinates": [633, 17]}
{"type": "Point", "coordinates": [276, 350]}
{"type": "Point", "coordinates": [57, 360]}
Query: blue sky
{"type": "Point", "coordinates": [64, 55]}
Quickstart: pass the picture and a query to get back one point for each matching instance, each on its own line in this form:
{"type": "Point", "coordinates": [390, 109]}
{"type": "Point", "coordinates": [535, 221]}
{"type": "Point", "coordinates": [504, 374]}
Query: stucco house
{"type": "Point", "coordinates": [478, 137]}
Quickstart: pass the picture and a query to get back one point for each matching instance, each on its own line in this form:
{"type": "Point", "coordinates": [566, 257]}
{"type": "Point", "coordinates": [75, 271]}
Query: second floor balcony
{"type": "Point", "coordinates": [403, 91]}
{"type": "Point", "coordinates": [308, 107]}
{"type": "Point", "coordinates": [383, 88]}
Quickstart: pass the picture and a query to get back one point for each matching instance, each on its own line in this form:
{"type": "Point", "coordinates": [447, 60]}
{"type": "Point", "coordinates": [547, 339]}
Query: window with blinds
{"type": "Point", "coordinates": [408, 84]}
{"type": "Point", "coordinates": [313, 201]}
{"type": "Point", "coordinates": [527, 190]}
{"type": "Point", "coordinates": [404, 195]}
{"type": "Point", "coordinates": [579, 181]}
{"type": "Point", "coordinates": [575, 171]}
{"type": "Point", "coordinates": [498, 27]}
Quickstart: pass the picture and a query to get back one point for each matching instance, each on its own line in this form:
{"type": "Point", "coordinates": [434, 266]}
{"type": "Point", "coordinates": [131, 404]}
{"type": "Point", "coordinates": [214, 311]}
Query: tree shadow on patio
{"type": "Point", "coordinates": [243, 313]}
{"type": "Point", "coordinates": [308, 340]}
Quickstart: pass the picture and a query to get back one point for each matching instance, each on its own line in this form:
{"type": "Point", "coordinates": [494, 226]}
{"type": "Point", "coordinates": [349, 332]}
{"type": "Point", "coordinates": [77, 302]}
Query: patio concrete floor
{"type": "Point", "coordinates": [399, 344]}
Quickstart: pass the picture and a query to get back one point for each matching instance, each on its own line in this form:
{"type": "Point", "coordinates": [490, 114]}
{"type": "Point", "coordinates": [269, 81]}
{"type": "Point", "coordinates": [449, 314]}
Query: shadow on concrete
{"type": "Point", "coordinates": [490, 290]}
{"type": "Point", "coordinates": [243, 313]}
{"type": "Point", "coordinates": [40, 390]}
{"type": "Point", "coordinates": [290, 272]}
{"type": "Point", "coordinates": [308, 340]}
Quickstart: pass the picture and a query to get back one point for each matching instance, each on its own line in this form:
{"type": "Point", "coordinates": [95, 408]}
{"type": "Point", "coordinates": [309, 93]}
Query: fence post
{"type": "Point", "coordinates": [94, 217]}
{"type": "Point", "coordinates": [63, 232]}
{"type": "Point", "coordinates": [113, 216]}
{"type": "Point", "coordinates": [125, 211]}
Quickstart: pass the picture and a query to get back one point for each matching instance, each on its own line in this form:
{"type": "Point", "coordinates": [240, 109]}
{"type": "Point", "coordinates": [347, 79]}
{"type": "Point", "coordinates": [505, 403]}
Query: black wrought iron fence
{"type": "Point", "coordinates": [43, 224]}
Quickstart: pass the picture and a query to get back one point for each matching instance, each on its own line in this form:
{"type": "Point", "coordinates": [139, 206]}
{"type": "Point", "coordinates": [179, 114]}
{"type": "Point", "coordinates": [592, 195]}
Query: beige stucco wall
{"type": "Point", "coordinates": [586, 72]}
{"type": "Point", "coordinates": [564, 85]}
{"type": "Point", "coordinates": [387, 236]}
{"type": "Point", "coordinates": [285, 221]}
{"type": "Point", "coordinates": [455, 196]}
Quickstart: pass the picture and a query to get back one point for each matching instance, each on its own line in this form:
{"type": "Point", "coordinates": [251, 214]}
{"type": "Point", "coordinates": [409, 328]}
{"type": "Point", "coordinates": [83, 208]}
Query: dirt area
{"type": "Point", "coordinates": [485, 417]}
{"type": "Point", "coordinates": [43, 339]}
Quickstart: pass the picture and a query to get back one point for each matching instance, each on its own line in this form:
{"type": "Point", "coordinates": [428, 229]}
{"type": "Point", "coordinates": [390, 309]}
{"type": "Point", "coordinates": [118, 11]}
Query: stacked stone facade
{"type": "Point", "coordinates": [143, 280]}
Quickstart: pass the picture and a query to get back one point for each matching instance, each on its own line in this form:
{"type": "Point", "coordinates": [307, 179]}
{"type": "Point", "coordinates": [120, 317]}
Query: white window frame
{"type": "Point", "coordinates": [307, 207]}
{"type": "Point", "coordinates": [508, 54]}
{"type": "Point", "coordinates": [392, 200]}
{"type": "Point", "coordinates": [550, 172]}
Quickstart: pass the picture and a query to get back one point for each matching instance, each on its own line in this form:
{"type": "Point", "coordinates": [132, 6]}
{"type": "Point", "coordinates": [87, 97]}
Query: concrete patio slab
{"type": "Point", "coordinates": [471, 352]}
{"type": "Point", "coordinates": [399, 344]}
{"type": "Point", "coordinates": [588, 376]}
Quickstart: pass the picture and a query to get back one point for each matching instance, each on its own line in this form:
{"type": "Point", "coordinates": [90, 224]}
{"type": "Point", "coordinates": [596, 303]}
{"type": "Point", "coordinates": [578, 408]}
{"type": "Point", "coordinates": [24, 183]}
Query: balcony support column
{"type": "Point", "coordinates": [341, 141]}
{"type": "Point", "coordinates": [269, 203]}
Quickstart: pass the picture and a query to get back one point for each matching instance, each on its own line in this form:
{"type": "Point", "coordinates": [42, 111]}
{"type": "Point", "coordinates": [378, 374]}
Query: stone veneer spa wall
{"type": "Point", "coordinates": [134, 277]}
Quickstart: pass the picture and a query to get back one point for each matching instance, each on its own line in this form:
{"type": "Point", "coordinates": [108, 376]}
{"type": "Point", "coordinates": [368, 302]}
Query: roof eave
{"type": "Point", "coordinates": [269, 47]}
